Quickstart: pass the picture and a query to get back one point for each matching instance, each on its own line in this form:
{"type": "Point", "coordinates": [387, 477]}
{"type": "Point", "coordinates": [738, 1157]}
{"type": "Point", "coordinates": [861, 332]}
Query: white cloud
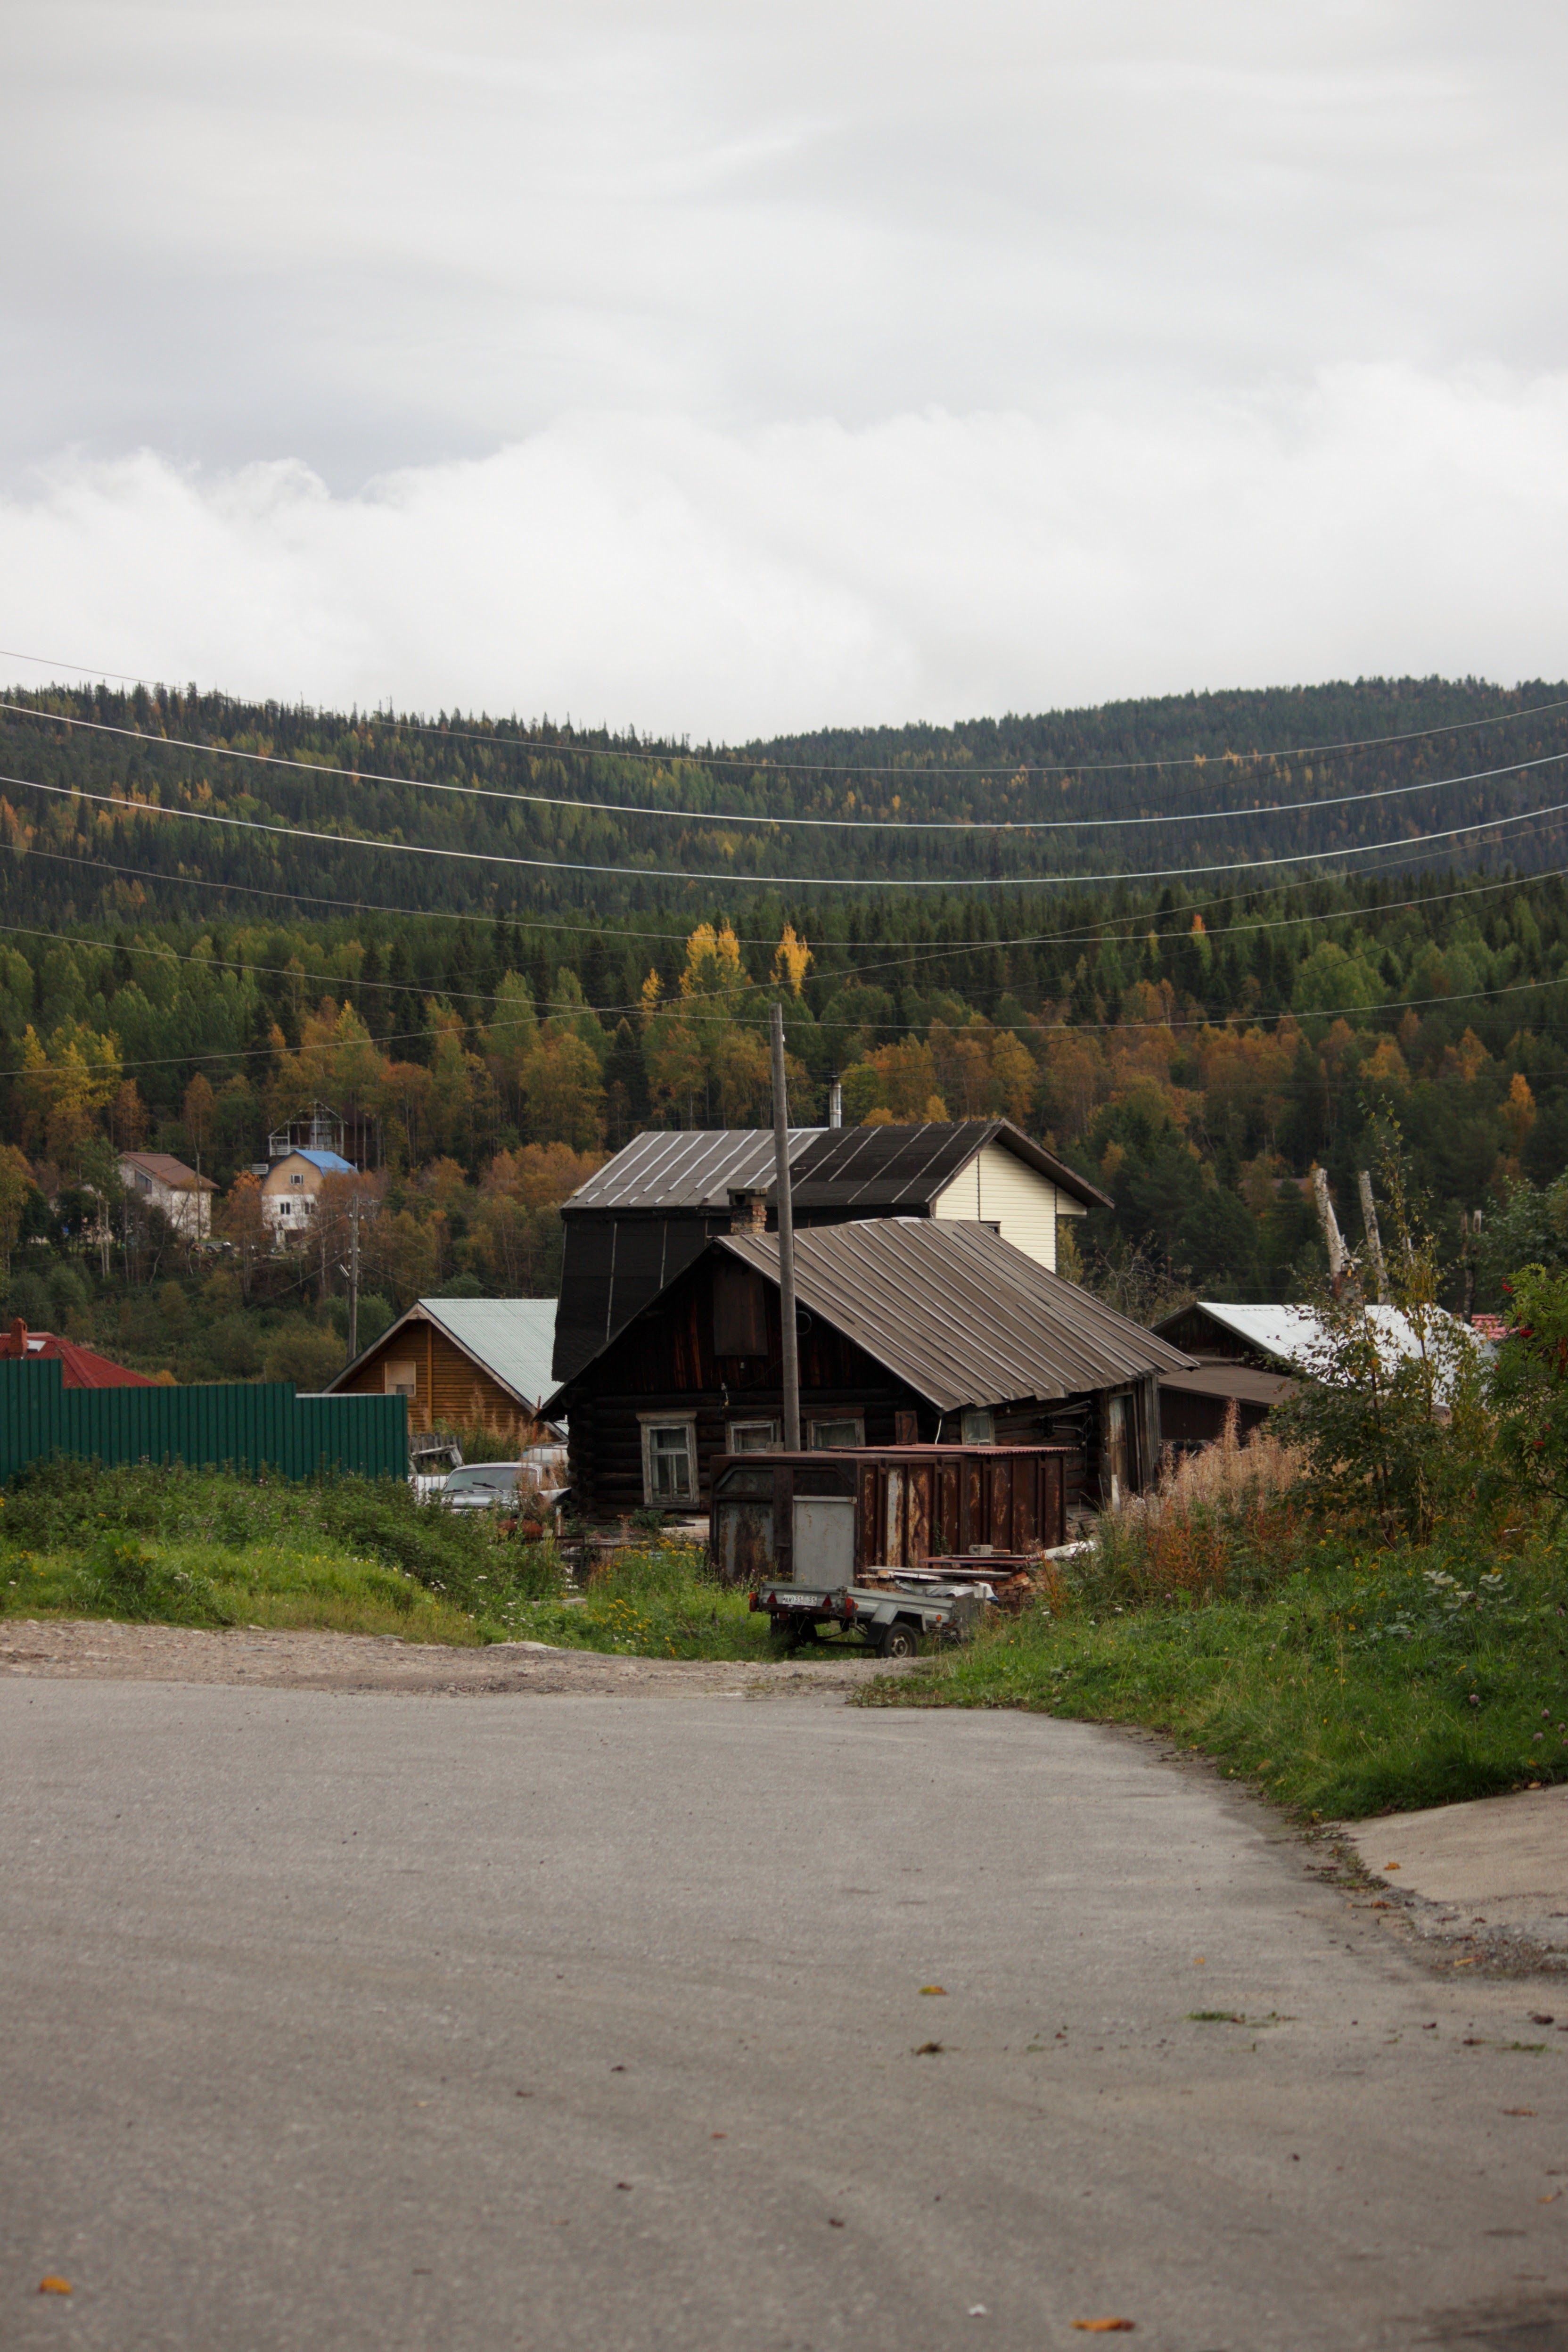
{"type": "Point", "coordinates": [686, 577]}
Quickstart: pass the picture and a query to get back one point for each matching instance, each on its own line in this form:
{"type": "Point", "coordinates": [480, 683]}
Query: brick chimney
{"type": "Point", "coordinates": [17, 1340]}
{"type": "Point", "coordinates": [749, 1212]}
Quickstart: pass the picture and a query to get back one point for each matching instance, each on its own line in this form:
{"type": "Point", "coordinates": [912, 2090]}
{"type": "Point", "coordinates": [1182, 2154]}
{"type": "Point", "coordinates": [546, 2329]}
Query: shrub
{"type": "Point", "coordinates": [1224, 1520]}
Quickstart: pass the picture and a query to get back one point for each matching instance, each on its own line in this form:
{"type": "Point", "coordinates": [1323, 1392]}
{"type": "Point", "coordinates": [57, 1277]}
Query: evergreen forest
{"type": "Point", "coordinates": [1197, 946]}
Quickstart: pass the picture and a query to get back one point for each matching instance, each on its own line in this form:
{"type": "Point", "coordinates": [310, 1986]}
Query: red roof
{"type": "Point", "coordinates": [80, 1368]}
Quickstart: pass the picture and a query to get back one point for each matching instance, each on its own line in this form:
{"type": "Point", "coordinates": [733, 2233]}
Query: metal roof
{"type": "Point", "coordinates": [887, 1167]}
{"type": "Point", "coordinates": [958, 1312]}
{"type": "Point", "coordinates": [695, 1169]}
{"type": "Point", "coordinates": [331, 1163]}
{"type": "Point", "coordinates": [1297, 1334]}
{"type": "Point", "coordinates": [166, 1169]}
{"type": "Point", "coordinates": [513, 1340]}
{"type": "Point", "coordinates": [854, 1167]}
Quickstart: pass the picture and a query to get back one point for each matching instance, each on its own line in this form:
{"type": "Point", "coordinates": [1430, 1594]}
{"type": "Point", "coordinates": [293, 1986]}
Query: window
{"type": "Point", "coordinates": [296, 1180]}
{"type": "Point", "coordinates": [286, 1208]}
{"type": "Point", "coordinates": [669, 1462]}
{"type": "Point", "coordinates": [400, 1380]}
{"type": "Point", "coordinates": [848, 1431]}
{"type": "Point", "coordinates": [753, 1436]}
{"type": "Point", "coordinates": [979, 1428]}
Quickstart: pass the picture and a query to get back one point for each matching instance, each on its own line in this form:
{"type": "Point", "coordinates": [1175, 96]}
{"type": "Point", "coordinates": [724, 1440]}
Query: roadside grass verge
{"type": "Point", "coordinates": [1343, 1682]}
{"type": "Point", "coordinates": [170, 1546]}
{"type": "Point", "coordinates": [662, 1602]}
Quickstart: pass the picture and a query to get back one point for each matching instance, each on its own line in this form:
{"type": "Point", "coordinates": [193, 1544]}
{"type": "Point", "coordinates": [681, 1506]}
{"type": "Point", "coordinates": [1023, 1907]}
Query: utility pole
{"type": "Point", "coordinates": [354, 1277]}
{"type": "Point", "coordinates": [1373, 1238]}
{"type": "Point", "coordinates": [786, 1240]}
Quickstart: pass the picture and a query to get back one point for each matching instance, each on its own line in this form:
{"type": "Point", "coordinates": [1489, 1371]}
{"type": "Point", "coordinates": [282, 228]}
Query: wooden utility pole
{"type": "Point", "coordinates": [791, 1353]}
{"type": "Point", "coordinates": [354, 1278]}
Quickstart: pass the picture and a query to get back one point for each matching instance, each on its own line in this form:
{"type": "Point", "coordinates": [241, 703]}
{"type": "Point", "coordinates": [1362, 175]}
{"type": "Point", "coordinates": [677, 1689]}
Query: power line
{"type": "Point", "coordinates": [323, 768]}
{"type": "Point", "coordinates": [756, 758]}
{"type": "Point", "coordinates": [776, 881]}
{"type": "Point", "coordinates": [1101, 927]}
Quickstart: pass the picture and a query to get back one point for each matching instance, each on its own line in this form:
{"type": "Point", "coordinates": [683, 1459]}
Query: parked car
{"type": "Point", "coordinates": [431, 1462]}
{"type": "Point", "coordinates": [482, 1486]}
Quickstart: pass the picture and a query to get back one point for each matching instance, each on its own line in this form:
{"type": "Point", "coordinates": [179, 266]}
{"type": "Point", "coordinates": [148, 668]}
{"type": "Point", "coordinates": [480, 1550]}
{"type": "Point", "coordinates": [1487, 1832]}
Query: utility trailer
{"type": "Point", "coordinates": [894, 1543]}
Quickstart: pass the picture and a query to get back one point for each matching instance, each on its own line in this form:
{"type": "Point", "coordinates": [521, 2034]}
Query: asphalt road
{"type": "Point", "coordinates": [338, 2021]}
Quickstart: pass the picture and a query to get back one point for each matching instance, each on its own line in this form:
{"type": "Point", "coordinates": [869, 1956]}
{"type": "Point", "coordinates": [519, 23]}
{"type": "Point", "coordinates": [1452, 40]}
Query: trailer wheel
{"type": "Point", "coordinates": [800, 1632]}
{"type": "Point", "coordinates": [897, 1641]}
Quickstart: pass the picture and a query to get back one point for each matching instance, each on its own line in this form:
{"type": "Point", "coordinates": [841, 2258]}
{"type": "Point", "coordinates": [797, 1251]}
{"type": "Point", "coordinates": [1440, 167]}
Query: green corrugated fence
{"type": "Point", "coordinates": [261, 1428]}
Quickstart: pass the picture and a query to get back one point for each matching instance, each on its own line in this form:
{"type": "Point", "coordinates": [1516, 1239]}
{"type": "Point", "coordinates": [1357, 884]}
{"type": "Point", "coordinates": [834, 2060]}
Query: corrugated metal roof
{"type": "Point", "coordinates": [854, 1167]}
{"type": "Point", "coordinates": [331, 1163]}
{"type": "Point", "coordinates": [1295, 1335]}
{"type": "Point", "coordinates": [907, 1167]}
{"type": "Point", "coordinates": [960, 1314]}
{"type": "Point", "coordinates": [514, 1339]}
{"type": "Point", "coordinates": [1243, 1381]}
{"type": "Point", "coordinates": [691, 1170]}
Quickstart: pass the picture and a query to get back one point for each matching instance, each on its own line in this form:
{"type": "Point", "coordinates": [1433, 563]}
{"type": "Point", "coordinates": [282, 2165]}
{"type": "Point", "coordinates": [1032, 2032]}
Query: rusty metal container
{"type": "Point", "coordinates": [896, 1506]}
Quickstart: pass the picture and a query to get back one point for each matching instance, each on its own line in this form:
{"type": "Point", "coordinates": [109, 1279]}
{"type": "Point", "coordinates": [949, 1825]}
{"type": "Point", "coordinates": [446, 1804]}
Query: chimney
{"type": "Point", "coordinates": [835, 1105]}
{"type": "Point", "coordinates": [749, 1212]}
{"type": "Point", "coordinates": [16, 1345]}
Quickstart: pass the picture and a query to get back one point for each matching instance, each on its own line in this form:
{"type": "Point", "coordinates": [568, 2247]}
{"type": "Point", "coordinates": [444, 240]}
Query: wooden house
{"type": "Point", "coordinates": [910, 1331]}
{"type": "Point", "coordinates": [462, 1363]}
{"type": "Point", "coordinates": [653, 1210]}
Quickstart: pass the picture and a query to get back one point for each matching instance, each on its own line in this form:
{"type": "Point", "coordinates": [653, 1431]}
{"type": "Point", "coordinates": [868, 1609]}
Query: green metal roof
{"type": "Point", "coordinates": [514, 1339]}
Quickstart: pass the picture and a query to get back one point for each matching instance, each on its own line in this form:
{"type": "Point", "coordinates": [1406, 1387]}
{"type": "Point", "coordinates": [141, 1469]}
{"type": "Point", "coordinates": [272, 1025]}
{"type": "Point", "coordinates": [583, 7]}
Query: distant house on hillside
{"type": "Point", "coordinates": [290, 1188]}
{"type": "Point", "coordinates": [80, 1368]}
{"type": "Point", "coordinates": [653, 1208]}
{"type": "Point", "coordinates": [166, 1184]}
{"type": "Point", "coordinates": [465, 1363]}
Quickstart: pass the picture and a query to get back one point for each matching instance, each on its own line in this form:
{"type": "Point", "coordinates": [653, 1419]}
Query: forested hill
{"type": "Point", "coordinates": [1442, 774]}
{"type": "Point", "coordinates": [489, 1022]}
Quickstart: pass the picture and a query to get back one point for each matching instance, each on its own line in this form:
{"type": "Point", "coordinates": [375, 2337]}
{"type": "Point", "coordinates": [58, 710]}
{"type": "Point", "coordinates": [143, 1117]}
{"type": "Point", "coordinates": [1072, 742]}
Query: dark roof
{"type": "Point", "coordinates": [894, 1168]}
{"type": "Point", "coordinates": [691, 1170]}
{"type": "Point", "coordinates": [863, 1169]}
{"type": "Point", "coordinates": [958, 1313]}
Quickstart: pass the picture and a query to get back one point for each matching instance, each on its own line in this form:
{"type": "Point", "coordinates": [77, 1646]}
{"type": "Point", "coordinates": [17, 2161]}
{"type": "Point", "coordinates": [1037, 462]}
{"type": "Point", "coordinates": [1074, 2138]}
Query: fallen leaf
{"type": "Point", "coordinates": [624, 2184]}
{"type": "Point", "coordinates": [1391, 1866]}
{"type": "Point", "coordinates": [1199, 1963]}
{"type": "Point", "coordinates": [1518, 2111]}
{"type": "Point", "coordinates": [1541, 2017]}
{"type": "Point", "coordinates": [929, 2050]}
{"type": "Point", "coordinates": [53, 2285]}
{"type": "Point", "coordinates": [833, 2224]}
{"type": "Point", "coordinates": [1551, 2199]}
{"type": "Point", "coordinates": [718, 2134]}
{"type": "Point", "coordinates": [940, 1989]}
{"type": "Point", "coordinates": [1106, 2326]}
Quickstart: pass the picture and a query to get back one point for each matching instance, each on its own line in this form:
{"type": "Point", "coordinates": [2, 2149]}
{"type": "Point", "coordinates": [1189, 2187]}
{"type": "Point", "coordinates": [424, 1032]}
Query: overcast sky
{"type": "Point", "coordinates": [722, 368]}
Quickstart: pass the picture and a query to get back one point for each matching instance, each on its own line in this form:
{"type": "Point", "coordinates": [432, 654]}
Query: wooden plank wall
{"type": "Point", "coordinates": [450, 1389]}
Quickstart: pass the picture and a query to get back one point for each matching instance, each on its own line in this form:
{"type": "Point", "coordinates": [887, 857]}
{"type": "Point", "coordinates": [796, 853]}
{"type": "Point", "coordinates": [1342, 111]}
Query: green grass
{"type": "Point", "coordinates": [169, 1545]}
{"type": "Point", "coordinates": [1356, 1684]}
{"type": "Point", "coordinates": [658, 1603]}
{"type": "Point", "coordinates": [268, 1584]}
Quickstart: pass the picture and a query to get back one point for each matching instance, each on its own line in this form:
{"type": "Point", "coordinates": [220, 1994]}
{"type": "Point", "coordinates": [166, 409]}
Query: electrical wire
{"type": "Point", "coordinates": [321, 768]}
{"type": "Point", "coordinates": [756, 758]}
{"type": "Point", "coordinates": [776, 881]}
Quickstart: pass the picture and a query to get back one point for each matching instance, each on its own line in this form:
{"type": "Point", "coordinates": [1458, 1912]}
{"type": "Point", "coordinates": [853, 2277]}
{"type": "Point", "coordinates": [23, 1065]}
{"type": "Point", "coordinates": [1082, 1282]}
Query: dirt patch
{"type": "Point", "coordinates": [88, 1650]}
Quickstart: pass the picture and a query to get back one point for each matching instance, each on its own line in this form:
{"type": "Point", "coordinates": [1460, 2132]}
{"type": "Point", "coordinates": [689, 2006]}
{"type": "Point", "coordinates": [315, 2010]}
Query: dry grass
{"type": "Point", "coordinates": [1232, 1508]}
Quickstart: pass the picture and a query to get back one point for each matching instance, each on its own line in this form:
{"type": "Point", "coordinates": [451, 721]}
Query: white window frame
{"type": "Point", "coordinates": [855, 1420]}
{"type": "Point", "coordinates": [986, 1435]}
{"type": "Point", "coordinates": [400, 1379]}
{"type": "Point", "coordinates": [737, 1428]}
{"type": "Point", "coordinates": [651, 1421]}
